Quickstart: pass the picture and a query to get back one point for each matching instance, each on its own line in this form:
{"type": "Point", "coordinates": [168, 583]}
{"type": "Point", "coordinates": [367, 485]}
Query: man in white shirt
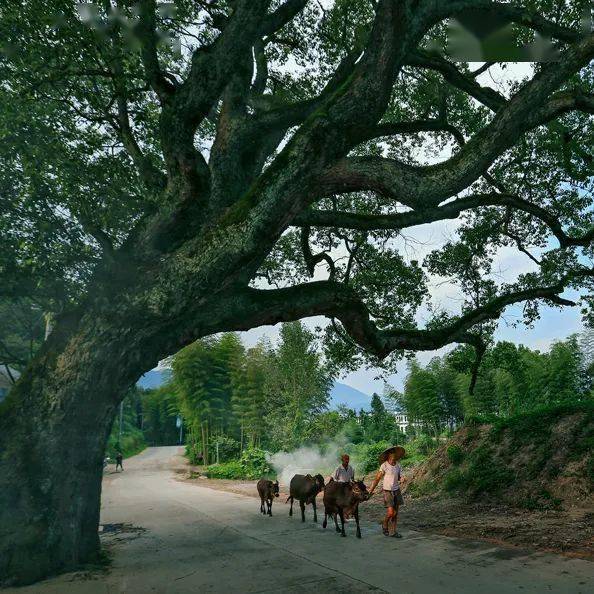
{"type": "Point", "coordinates": [344, 473]}
{"type": "Point", "coordinates": [390, 471]}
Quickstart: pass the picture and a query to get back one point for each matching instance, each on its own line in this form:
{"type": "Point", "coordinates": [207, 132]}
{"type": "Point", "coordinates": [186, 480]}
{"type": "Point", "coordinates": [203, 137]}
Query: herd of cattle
{"type": "Point", "coordinates": [339, 499]}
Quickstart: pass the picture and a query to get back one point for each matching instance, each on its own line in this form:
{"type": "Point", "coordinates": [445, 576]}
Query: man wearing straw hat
{"type": "Point", "coordinates": [390, 471]}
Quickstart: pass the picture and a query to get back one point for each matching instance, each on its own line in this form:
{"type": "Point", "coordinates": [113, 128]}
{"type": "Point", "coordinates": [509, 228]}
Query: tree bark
{"type": "Point", "coordinates": [53, 430]}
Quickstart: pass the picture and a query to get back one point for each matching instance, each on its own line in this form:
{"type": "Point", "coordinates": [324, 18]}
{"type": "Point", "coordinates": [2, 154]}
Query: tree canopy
{"type": "Point", "coordinates": [512, 379]}
{"type": "Point", "coordinates": [256, 161]}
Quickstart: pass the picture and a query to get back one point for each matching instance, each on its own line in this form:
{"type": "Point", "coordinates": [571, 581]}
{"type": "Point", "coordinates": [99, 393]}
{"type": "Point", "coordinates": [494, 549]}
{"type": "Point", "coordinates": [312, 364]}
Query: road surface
{"type": "Point", "coordinates": [168, 537]}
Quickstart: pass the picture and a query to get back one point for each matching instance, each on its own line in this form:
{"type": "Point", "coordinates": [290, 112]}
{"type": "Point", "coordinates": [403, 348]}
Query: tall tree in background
{"type": "Point", "coordinates": [249, 394]}
{"type": "Point", "coordinates": [157, 164]}
{"type": "Point", "coordinates": [297, 388]}
{"type": "Point", "coordinates": [421, 397]}
{"type": "Point", "coordinates": [510, 380]}
{"type": "Point", "coordinates": [564, 374]}
{"type": "Point", "coordinates": [194, 369]}
{"type": "Point", "coordinates": [378, 423]}
{"type": "Point", "coordinates": [160, 408]}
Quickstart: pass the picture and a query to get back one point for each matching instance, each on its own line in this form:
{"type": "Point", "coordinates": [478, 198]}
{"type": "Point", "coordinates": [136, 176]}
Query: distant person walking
{"type": "Point", "coordinates": [344, 473]}
{"type": "Point", "coordinates": [119, 459]}
{"type": "Point", "coordinates": [391, 472]}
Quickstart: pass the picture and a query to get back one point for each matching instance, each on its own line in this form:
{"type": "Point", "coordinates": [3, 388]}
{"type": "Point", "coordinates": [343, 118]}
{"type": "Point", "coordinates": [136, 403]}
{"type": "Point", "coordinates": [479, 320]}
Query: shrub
{"type": "Point", "coordinates": [484, 474]}
{"type": "Point", "coordinates": [370, 458]}
{"type": "Point", "coordinates": [194, 453]}
{"type": "Point", "coordinates": [418, 489]}
{"type": "Point", "coordinates": [424, 444]}
{"type": "Point", "coordinates": [455, 454]}
{"type": "Point", "coordinates": [228, 470]}
{"type": "Point", "coordinates": [254, 463]}
{"type": "Point", "coordinates": [132, 443]}
{"type": "Point", "coordinates": [251, 465]}
{"type": "Point", "coordinates": [228, 448]}
{"type": "Point", "coordinates": [454, 480]}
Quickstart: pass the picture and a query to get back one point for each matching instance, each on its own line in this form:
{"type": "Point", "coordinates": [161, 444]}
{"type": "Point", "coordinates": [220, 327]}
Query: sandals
{"type": "Point", "coordinates": [386, 532]}
{"type": "Point", "coordinates": [396, 535]}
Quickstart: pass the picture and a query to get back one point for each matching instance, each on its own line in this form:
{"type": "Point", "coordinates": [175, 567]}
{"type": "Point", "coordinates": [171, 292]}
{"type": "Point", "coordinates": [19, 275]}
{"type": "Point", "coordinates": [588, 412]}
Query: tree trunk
{"type": "Point", "coordinates": [53, 430]}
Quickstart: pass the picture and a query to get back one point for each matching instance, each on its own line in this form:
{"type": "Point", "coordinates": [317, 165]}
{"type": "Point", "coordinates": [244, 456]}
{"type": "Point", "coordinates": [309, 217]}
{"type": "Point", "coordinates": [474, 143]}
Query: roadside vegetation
{"type": "Point", "coordinates": [242, 406]}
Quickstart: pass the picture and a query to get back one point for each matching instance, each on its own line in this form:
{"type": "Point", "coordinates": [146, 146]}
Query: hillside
{"type": "Point", "coordinates": [543, 459]}
{"type": "Point", "coordinates": [154, 378]}
{"type": "Point", "coordinates": [351, 397]}
{"type": "Point", "coordinates": [526, 481]}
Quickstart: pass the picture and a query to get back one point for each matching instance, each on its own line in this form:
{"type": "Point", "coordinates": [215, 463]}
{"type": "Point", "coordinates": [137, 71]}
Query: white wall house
{"type": "Point", "coordinates": [404, 423]}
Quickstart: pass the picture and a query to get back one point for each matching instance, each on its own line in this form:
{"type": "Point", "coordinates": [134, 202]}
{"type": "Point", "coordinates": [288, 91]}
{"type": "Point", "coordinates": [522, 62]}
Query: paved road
{"type": "Point", "coordinates": [181, 538]}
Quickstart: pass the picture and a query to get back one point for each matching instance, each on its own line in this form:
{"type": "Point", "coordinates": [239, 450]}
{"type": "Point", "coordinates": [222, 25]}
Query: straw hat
{"type": "Point", "coordinates": [398, 450]}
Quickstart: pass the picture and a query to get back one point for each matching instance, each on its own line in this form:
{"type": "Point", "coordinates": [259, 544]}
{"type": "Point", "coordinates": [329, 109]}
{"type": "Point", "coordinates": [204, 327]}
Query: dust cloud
{"type": "Point", "coordinates": [322, 459]}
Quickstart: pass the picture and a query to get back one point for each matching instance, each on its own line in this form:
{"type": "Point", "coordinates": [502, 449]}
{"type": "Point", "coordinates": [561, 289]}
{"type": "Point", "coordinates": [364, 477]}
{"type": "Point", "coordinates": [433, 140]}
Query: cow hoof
{"type": "Point", "coordinates": [343, 535]}
{"type": "Point", "coordinates": [324, 524]}
{"type": "Point", "coordinates": [358, 536]}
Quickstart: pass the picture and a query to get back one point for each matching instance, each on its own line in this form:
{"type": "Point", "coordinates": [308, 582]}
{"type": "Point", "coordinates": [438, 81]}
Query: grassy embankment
{"type": "Point", "coordinates": [539, 460]}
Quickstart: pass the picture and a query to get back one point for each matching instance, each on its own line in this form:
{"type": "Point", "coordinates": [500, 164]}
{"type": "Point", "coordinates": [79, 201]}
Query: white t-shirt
{"type": "Point", "coordinates": [391, 476]}
{"type": "Point", "coordinates": [344, 475]}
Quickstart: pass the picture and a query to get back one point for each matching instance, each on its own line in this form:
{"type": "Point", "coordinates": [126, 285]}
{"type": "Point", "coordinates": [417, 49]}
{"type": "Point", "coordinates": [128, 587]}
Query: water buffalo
{"type": "Point", "coordinates": [304, 488]}
{"type": "Point", "coordinates": [344, 497]}
{"type": "Point", "coordinates": [267, 491]}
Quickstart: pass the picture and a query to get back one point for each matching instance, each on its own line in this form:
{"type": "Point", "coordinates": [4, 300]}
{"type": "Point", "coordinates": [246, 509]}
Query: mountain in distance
{"type": "Point", "coordinates": [351, 397]}
{"type": "Point", "coordinates": [154, 378]}
{"type": "Point", "coordinates": [339, 393]}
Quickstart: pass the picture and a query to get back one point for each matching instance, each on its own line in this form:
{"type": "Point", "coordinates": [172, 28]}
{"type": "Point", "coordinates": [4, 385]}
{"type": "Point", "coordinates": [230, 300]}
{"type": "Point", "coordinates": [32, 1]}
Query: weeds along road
{"type": "Point", "coordinates": [168, 536]}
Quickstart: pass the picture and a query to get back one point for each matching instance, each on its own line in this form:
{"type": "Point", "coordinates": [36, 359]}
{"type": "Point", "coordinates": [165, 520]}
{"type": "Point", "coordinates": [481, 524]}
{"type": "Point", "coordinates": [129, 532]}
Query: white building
{"type": "Point", "coordinates": [404, 423]}
{"type": "Point", "coordinates": [401, 421]}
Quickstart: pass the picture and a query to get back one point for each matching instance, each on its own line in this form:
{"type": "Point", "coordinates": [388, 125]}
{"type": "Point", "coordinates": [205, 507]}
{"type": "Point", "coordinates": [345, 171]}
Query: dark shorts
{"type": "Point", "coordinates": [393, 498]}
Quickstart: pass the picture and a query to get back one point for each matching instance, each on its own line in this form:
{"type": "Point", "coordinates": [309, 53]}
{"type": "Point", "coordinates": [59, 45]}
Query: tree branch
{"type": "Point", "coordinates": [416, 186]}
{"type": "Point", "coordinates": [146, 32]}
{"type": "Point", "coordinates": [281, 16]}
{"type": "Point", "coordinates": [450, 210]}
{"type": "Point", "coordinates": [337, 300]}
{"type": "Point", "coordinates": [311, 260]}
{"type": "Point", "coordinates": [413, 127]}
{"type": "Point", "coordinates": [485, 95]}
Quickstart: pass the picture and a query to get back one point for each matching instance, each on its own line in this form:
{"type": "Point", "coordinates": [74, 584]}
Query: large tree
{"type": "Point", "coordinates": [163, 171]}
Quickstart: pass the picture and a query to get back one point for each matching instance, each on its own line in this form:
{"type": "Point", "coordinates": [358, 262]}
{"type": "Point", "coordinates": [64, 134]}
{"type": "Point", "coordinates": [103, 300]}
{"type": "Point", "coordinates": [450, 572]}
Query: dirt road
{"type": "Point", "coordinates": [168, 536]}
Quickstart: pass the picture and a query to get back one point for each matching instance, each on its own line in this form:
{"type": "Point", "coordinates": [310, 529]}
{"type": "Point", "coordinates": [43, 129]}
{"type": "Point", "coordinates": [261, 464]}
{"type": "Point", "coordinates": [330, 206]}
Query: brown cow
{"type": "Point", "coordinates": [341, 498]}
{"type": "Point", "coordinates": [267, 491]}
{"type": "Point", "coordinates": [305, 488]}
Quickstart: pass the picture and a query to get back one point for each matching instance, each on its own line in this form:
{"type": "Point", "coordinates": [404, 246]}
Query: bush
{"type": "Point", "coordinates": [194, 453]}
{"type": "Point", "coordinates": [455, 454]}
{"type": "Point", "coordinates": [454, 480]}
{"type": "Point", "coordinates": [370, 457]}
{"type": "Point", "coordinates": [424, 444]}
{"type": "Point", "coordinates": [228, 470]}
{"type": "Point", "coordinates": [423, 488]}
{"type": "Point", "coordinates": [251, 465]}
{"type": "Point", "coordinates": [255, 464]}
{"type": "Point", "coordinates": [132, 443]}
{"type": "Point", "coordinates": [228, 448]}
